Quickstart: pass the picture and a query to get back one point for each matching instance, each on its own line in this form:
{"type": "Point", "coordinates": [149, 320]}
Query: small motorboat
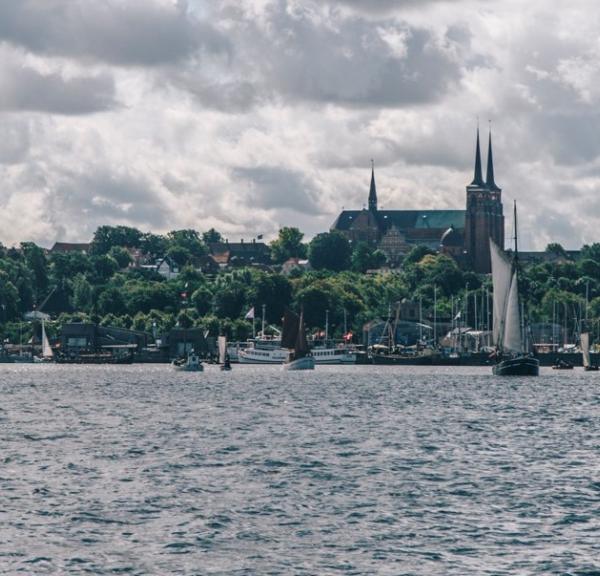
{"type": "Point", "coordinates": [190, 364]}
{"type": "Point", "coordinates": [562, 364]}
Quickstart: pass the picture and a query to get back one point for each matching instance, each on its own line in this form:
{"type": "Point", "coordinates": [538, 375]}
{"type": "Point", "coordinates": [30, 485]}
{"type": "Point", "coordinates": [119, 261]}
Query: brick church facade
{"type": "Point", "coordinates": [461, 234]}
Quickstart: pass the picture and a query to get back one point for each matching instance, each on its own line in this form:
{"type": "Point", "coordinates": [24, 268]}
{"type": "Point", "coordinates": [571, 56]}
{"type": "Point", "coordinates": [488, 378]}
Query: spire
{"type": "Point", "coordinates": [490, 183]}
{"type": "Point", "coordinates": [373, 190]}
{"type": "Point", "coordinates": [478, 178]}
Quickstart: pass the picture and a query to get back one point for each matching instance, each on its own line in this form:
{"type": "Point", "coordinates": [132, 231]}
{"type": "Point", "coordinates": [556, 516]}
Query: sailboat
{"type": "Point", "coordinates": [513, 357]}
{"type": "Point", "coordinates": [47, 353]}
{"type": "Point", "coordinates": [585, 352]}
{"type": "Point", "coordinates": [293, 337]}
{"type": "Point", "coordinates": [223, 355]}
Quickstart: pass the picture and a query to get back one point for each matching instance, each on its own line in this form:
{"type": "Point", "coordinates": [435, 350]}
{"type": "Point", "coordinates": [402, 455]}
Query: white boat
{"type": "Point", "coordinates": [293, 337]}
{"type": "Point", "coordinates": [510, 329]}
{"type": "Point", "coordinates": [190, 364]}
{"type": "Point", "coordinates": [47, 353]}
{"type": "Point", "coordinates": [258, 353]}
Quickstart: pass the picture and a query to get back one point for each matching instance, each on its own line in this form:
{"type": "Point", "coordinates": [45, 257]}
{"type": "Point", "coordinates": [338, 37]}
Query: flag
{"type": "Point", "coordinates": [259, 237]}
{"type": "Point", "coordinates": [348, 337]}
{"type": "Point", "coordinates": [250, 314]}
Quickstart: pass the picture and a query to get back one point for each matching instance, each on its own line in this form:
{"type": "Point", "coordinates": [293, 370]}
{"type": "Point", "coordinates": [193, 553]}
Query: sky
{"type": "Point", "coordinates": [250, 115]}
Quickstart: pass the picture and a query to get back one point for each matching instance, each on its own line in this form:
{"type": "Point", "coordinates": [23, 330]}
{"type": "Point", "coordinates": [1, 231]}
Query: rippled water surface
{"type": "Point", "coordinates": [349, 470]}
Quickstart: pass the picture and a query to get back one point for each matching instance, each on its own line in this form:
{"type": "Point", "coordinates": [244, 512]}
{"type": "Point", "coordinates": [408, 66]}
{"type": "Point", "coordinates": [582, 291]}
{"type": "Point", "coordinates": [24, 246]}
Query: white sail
{"type": "Point", "coordinates": [512, 338]}
{"type": "Point", "coordinates": [46, 349]}
{"type": "Point", "coordinates": [501, 279]}
{"type": "Point", "coordinates": [222, 349]}
{"type": "Point", "coordinates": [585, 349]}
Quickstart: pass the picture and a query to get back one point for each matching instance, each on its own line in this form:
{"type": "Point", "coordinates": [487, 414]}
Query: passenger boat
{"type": "Point", "coordinates": [513, 357]}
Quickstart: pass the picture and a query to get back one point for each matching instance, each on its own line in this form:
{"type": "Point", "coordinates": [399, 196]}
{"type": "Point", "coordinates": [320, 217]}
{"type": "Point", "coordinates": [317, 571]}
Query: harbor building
{"type": "Point", "coordinates": [462, 234]}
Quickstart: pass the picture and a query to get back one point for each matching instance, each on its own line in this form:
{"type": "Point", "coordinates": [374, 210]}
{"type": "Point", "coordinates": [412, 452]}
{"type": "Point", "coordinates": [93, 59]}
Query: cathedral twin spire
{"type": "Point", "coordinates": [373, 190]}
{"type": "Point", "coordinates": [489, 182]}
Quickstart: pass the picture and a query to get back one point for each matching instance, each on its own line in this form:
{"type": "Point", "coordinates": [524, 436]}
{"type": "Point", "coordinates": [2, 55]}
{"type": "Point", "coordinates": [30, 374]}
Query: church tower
{"type": "Point", "coordinates": [484, 216]}
{"type": "Point", "coordinates": [373, 190]}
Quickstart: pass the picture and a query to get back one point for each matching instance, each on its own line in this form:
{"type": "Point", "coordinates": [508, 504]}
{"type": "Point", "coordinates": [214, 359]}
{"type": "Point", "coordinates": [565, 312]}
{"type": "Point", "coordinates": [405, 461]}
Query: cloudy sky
{"type": "Point", "coordinates": [248, 115]}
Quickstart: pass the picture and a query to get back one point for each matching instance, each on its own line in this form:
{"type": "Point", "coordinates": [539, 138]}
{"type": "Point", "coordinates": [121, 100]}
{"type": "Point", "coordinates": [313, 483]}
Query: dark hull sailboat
{"type": "Point", "coordinates": [517, 366]}
{"type": "Point", "coordinates": [293, 337]}
{"type": "Point", "coordinates": [510, 325]}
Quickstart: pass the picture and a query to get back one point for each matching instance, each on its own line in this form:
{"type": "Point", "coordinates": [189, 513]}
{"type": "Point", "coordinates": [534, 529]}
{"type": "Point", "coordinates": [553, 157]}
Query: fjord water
{"type": "Point", "coordinates": [345, 470]}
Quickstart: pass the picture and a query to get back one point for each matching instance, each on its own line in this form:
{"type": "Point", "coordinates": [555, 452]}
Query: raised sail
{"type": "Point", "coordinates": [46, 349]}
{"type": "Point", "coordinates": [222, 349]}
{"type": "Point", "coordinates": [512, 339]}
{"type": "Point", "coordinates": [501, 279]}
{"type": "Point", "coordinates": [585, 349]}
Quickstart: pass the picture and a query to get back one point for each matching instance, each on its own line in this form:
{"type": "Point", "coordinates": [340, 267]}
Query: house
{"type": "Point", "coordinates": [240, 254]}
{"type": "Point", "coordinates": [295, 264]}
{"type": "Point", "coordinates": [77, 337]}
{"type": "Point", "coordinates": [66, 247]}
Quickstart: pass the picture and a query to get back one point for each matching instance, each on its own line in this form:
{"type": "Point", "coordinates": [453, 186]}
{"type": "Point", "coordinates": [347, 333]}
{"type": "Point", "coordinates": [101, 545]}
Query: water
{"type": "Point", "coordinates": [347, 470]}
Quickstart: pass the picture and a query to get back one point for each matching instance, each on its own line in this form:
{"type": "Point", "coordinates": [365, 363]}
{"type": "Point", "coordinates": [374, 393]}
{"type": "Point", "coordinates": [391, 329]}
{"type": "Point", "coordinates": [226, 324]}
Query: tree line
{"type": "Point", "coordinates": [101, 286]}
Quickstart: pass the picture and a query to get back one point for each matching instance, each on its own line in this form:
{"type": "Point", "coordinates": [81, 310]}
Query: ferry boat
{"type": "Point", "coordinates": [271, 352]}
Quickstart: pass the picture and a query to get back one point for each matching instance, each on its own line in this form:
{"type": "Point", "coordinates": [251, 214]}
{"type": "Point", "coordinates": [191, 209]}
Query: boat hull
{"type": "Point", "coordinates": [306, 363]}
{"type": "Point", "coordinates": [519, 366]}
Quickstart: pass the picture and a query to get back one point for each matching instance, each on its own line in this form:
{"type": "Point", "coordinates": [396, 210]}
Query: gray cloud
{"type": "Point", "coordinates": [345, 61]}
{"type": "Point", "coordinates": [272, 188]}
{"type": "Point", "coordinates": [135, 32]}
{"type": "Point", "coordinates": [26, 89]}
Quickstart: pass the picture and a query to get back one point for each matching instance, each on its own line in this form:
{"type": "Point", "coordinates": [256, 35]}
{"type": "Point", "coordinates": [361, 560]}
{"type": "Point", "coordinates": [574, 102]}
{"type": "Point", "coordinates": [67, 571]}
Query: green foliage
{"type": "Point", "coordinates": [188, 240]}
{"type": "Point", "coordinates": [288, 245]}
{"type": "Point", "coordinates": [211, 236]}
{"type": "Point", "coordinates": [82, 293]}
{"type": "Point", "coordinates": [106, 237]}
{"type": "Point", "coordinates": [364, 258]}
{"type": "Point", "coordinates": [121, 256]}
{"type": "Point", "coordinates": [202, 300]}
{"type": "Point", "coordinates": [330, 251]}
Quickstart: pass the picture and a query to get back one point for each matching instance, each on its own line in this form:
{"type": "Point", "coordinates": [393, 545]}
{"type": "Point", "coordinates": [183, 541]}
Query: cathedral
{"type": "Point", "coordinates": [462, 234]}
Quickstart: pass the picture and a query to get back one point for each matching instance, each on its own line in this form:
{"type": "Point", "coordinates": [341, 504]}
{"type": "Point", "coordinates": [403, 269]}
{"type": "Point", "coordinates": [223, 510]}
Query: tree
{"type": "Point", "coordinates": [121, 256]}
{"type": "Point", "coordinates": [180, 255]}
{"type": "Point", "coordinates": [272, 290]}
{"type": "Point", "coordinates": [556, 249]}
{"type": "Point", "coordinates": [416, 255]}
{"type": "Point", "coordinates": [36, 262]}
{"type": "Point", "coordinates": [104, 266]}
{"type": "Point", "coordinates": [82, 293]}
{"type": "Point", "coordinates": [365, 258]}
{"type": "Point", "coordinates": [230, 301]}
{"type": "Point", "coordinates": [153, 245]}
{"type": "Point", "coordinates": [212, 236]}
{"type": "Point", "coordinates": [111, 301]}
{"type": "Point", "coordinates": [106, 237]}
{"type": "Point", "coordinates": [330, 251]}
{"type": "Point", "coordinates": [188, 239]}
{"type": "Point", "coordinates": [202, 300]}
{"type": "Point", "coordinates": [184, 320]}
{"type": "Point", "coordinates": [288, 245]}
